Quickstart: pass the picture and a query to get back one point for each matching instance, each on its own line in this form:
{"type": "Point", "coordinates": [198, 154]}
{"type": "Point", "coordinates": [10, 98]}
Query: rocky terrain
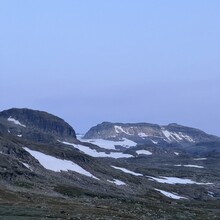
{"type": "Point", "coordinates": [35, 125]}
{"type": "Point", "coordinates": [114, 171]}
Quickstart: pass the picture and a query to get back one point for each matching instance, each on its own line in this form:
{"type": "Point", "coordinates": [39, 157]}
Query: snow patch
{"type": "Point", "coordinates": [146, 152]}
{"type": "Point", "coordinates": [195, 166]}
{"type": "Point", "coordinates": [176, 180]}
{"type": "Point", "coordinates": [188, 165]}
{"type": "Point", "coordinates": [200, 158]}
{"type": "Point", "coordinates": [176, 136]}
{"type": "Point", "coordinates": [155, 142]}
{"type": "Point", "coordinates": [27, 166]}
{"type": "Point", "coordinates": [110, 145]}
{"type": "Point", "coordinates": [211, 193]}
{"type": "Point", "coordinates": [94, 153]}
{"type": "Point", "coordinates": [15, 121]}
{"type": "Point", "coordinates": [117, 182]}
{"type": "Point", "coordinates": [58, 165]}
{"type": "Point", "coordinates": [167, 134]}
{"type": "Point", "coordinates": [127, 171]}
{"type": "Point", "coordinates": [170, 195]}
{"type": "Point", "coordinates": [119, 129]}
{"type": "Point", "coordinates": [186, 137]}
{"type": "Point", "coordinates": [142, 134]}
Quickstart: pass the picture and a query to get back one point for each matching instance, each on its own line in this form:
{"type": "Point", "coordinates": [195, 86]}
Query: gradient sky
{"type": "Point", "coordinates": [114, 60]}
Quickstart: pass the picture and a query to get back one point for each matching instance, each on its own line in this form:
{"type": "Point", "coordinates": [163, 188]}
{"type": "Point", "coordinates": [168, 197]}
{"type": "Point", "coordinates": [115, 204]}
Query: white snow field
{"type": "Point", "coordinates": [170, 195]}
{"type": "Point", "coordinates": [57, 165]}
{"type": "Point", "coordinates": [94, 153]}
{"type": "Point", "coordinates": [110, 145]}
{"type": "Point", "coordinates": [117, 182]}
{"type": "Point", "coordinates": [175, 180]}
{"type": "Point", "coordinates": [146, 152]}
{"type": "Point", "coordinates": [127, 171]}
{"type": "Point", "coordinates": [15, 121]}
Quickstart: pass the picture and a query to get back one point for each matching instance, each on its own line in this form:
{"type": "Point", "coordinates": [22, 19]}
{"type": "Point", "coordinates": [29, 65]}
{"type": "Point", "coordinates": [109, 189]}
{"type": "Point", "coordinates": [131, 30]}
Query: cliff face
{"type": "Point", "coordinates": [142, 132]}
{"type": "Point", "coordinates": [36, 125]}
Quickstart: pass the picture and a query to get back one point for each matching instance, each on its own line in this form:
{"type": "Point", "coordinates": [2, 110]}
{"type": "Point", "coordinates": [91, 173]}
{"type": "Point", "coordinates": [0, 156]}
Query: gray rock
{"type": "Point", "coordinates": [35, 125]}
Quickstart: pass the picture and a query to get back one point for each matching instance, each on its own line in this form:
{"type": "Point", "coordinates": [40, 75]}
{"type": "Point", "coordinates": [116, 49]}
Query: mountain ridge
{"type": "Point", "coordinates": [140, 132]}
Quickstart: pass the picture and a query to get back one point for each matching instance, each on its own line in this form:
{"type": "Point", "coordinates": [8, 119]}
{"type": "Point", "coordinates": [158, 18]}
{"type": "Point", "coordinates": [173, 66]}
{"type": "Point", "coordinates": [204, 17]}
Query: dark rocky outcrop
{"type": "Point", "coordinates": [35, 125]}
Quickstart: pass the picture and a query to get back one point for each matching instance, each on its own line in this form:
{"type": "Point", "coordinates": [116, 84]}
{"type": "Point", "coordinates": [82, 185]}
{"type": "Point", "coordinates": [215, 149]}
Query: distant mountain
{"type": "Point", "coordinates": [149, 133]}
{"type": "Point", "coordinates": [35, 125]}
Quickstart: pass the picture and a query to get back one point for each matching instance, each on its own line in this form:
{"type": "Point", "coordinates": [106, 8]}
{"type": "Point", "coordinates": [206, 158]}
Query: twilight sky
{"type": "Point", "coordinates": [114, 60]}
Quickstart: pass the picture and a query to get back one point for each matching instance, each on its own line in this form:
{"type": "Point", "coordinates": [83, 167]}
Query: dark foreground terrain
{"type": "Point", "coordinates": [78, 205]}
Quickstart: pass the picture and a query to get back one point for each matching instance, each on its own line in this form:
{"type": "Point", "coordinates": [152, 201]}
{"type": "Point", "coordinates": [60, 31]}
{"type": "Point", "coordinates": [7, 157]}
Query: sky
{"type": "Point", "coordinates": [120, 61]}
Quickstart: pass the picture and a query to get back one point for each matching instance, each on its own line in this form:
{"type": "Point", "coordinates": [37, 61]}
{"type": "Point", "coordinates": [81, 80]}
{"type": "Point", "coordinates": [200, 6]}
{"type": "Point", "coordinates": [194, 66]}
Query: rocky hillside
{"type": "Point", "coordinates": [145, 132]}
{"type": "Point", "coordinates": [45, 172]}
{"type": "Point", "coordinates": [35, 125]}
